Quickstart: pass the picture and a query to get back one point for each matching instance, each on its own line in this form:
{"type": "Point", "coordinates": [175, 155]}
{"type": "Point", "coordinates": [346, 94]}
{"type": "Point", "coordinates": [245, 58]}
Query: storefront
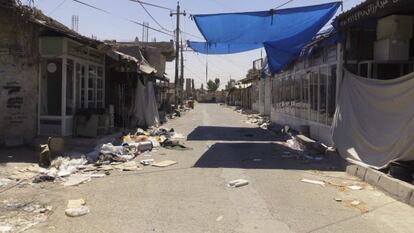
{"type": "Point", "coordinates": [71, 77]}
{"type": "Point", "coordinates": [305, 93]}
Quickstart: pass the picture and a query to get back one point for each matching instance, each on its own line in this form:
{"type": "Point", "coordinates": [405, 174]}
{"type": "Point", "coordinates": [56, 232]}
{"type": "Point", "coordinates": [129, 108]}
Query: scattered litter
{"type": "Point", "coordinates": [4, 182]}
{"type": "Point", "coordinates": [355, 187]}
{"type": "Point", "coordinates": [294, 144]}
{"type": "Point", "coordinates": [164, 163]}
{"type": "Point", "coordinates": [219, 218]}
{"type": "Point", "coordinates": [18, 215]}
{"type": "Point", "coordinates": [147, 162]}
{"type": "Point", "coordinates": [355, 203]}
{"type": "Point", "coordinates": [43, 178]}
{"type": "Point", "coordinates": [238, 183]}
{"type": "Point", "coordinates": [128, 166]}
{"type": "Point", "coordinates": [337, 199]}
{"type": "Point", "coordinates": [257, 160]}
{"type": "Point", "coordinates": [76, 208]}
{"type": "Point", "coordinates": [98, 175]}
{"type": "Point", "coordinates": [5, 227]}
{"type": "Point", "coordinates": [317, 182]}
{"type": "Point", "coordinates": [76, 203]}
{"type": "Point", "coordinates": [77, 179]}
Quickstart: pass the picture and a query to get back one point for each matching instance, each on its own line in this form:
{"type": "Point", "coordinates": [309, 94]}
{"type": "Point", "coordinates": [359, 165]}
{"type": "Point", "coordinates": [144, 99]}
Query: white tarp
{"type": "Point", "coordinates": [145, 111]}
{"type": "Point", "coordinates": [374, 120]}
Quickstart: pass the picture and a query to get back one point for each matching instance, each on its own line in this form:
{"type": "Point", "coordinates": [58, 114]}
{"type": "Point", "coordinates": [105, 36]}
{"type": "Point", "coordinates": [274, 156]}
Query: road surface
{"type": "Point", "coordinates": [192, 195]}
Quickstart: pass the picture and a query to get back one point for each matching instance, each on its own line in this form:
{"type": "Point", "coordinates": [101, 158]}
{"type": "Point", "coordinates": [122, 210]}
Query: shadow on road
{"type": "Point", "coordinates": [18, 155]}
{"type": "Point", "coordinates": [219, 133]}
{"type": "Point", "coordinates": [261, 156]}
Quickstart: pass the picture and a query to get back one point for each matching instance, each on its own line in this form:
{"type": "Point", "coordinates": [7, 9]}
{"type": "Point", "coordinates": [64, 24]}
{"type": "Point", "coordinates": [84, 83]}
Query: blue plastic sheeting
{"type": "Point", "coordinates": [221, 48]}
{"type": "Point", "coordinates": [282, 32]}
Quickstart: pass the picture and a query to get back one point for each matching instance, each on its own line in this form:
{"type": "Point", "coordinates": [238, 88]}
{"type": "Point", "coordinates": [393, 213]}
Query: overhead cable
{"type": "Point", "coordinates": [129, 20]}
{"type": "Point", "coordinates": [153, 5]}
{"type": "Point", "coordinates": [284, 4]}
{"type": "Point", "coordinates": [152, 17]}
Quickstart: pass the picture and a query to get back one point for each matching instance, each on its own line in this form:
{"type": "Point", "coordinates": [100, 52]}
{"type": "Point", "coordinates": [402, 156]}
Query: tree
{"type": "Point", "coordinates": [213, 85]}
{"type": "Point", "coordinates": [231, 83]}
{"type": "Point", "coordinates": [251, 73]}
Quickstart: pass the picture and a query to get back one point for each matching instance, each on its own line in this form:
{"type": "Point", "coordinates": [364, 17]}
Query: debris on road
{"type": "Point", "coordinates": [317, 182]}
{"type": "Point", "coordinates": [147, 162]}
{"type": "Point", "coordinates": [238, 183]}
{"type": "Point", "coordinates": [4, 182]}
{"type": "Point", "coordinates": [76, 208]}
{"type": "Point", "coordinates": [337, 199]}
{"type": "Point", "coordinates": [164, 163]}
{"type": "Point", "coordinates": [355, 187]}
{"type": "Point", "coordinates": [20, 215]}
{"type": "Point", "coordinates": [73, 168]}
{"type": "Point", "coordinates": [43, 178]}
{"type": "Point", "coordinates": [219, 218]}
{"type": "Point", "coordinates": [355, 203]}
{"type": "Point", "coordinates": [77, 179]}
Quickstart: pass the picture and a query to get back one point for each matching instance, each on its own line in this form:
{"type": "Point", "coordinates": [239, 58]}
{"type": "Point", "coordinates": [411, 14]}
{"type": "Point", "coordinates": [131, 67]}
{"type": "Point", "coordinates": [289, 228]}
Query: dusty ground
{"type": "Point", "coordinates": [192, 195]}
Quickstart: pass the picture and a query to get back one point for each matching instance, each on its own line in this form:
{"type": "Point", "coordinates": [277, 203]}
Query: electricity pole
{"type": "Point", "coordinates": [177, 51]}
{"type": "Point", "coordinates": [182, 75]}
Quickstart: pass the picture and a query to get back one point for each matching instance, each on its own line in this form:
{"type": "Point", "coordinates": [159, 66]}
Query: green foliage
{"type": "Point", "coordinates": [252, 73]}
{"type": "Point", "coordinates": [213, 85]}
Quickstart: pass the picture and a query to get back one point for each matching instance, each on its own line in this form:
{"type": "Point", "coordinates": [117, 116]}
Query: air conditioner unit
{"type": "Point", "coordinates": [397, 27]}
{"type": "Point", "coordinates": [391, 50]}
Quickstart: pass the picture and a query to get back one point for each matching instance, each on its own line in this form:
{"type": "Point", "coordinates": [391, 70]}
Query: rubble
{"type": "Point", "coordinates": [18, 215]}
{"type": "Point", "coordinates": [71, 169]}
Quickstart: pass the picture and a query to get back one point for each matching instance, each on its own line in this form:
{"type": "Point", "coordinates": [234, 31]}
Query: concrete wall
{"type": "Point", "coordinates": [18, 78]}
{"type": "Point", "coordinates": [268, 96]}
{"type": "Point", "coordinates": [261, 103]}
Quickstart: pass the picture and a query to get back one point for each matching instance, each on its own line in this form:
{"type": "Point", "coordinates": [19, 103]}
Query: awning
{"type": "Point", "coordinates": [142, 66]}
{"type": "Point", "coordinates": [282, 32]}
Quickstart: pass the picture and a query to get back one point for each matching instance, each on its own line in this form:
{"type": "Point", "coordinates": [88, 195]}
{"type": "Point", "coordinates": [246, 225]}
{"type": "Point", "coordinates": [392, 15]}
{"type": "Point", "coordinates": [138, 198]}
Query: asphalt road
{"type": "Point", "coordinates": [192, 195]}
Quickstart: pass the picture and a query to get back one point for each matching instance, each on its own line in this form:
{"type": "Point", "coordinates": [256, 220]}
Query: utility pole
{"type": "Point", "coordinates": [182, 74]}
{"type": "Point", "coordinates": [177, 51]}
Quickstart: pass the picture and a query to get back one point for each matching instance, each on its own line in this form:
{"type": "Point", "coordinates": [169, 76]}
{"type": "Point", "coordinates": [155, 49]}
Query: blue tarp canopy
{"type": "Point", "coordinates": [282, 32]}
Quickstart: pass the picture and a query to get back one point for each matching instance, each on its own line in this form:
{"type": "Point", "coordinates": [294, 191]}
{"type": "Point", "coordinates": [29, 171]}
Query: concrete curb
{"type": "Point", "coordinates": [397, 189]}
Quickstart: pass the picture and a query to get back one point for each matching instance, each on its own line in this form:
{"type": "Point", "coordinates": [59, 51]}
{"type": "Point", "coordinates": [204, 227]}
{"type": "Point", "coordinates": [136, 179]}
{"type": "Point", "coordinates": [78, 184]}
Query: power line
{"type": "Point", "coordinates": [153, 5]}
{"type": "Point", "coordinates": [284, 4]}
{"type": "Point", "coordinates": [57, 7]}
{"type": "Point", "coordinates": [129, 20]}
{"type": "Point", "coordinates": [152, 17]}
{"type": "Point", "coordinates": [187, 33]}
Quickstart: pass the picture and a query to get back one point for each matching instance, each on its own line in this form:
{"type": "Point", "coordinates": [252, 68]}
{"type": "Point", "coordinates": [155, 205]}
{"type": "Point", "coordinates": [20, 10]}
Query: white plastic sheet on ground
{"type": "Point", "coordinates": [145, 111]}
{"type": "Point", "coordinates": [374, 120]}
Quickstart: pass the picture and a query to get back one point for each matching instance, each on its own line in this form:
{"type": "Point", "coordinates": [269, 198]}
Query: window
{"type": "Point", "coordinates": [69, 87]}
{"type": "Point", "coordinates": [305, 97]}
{"type": "Point", "coordinates": [324, 75]}
{"type": "Point", "coordinates": [331, 94]}
{"type": "Point", "coordinates": [313, 94]}
{"type": "Point", "coordinates": [51, 87]}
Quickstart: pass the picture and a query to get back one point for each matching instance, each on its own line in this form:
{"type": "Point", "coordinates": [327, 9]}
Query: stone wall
{"type": "Point", "coordinates": [19, 67]}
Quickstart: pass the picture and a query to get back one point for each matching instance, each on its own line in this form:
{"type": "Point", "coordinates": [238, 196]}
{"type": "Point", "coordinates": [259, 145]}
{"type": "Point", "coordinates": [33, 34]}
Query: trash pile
{"type": "Point", "coordinates": [177, 112]}
{"type": "Point", "coordinates": [300, 151]}
{"type": "Point", "coordinates": [256, 119]}
{"type": "Point", "coordinates": [18, 216]}
{"type": "Point", "coordinates": [72, 169]}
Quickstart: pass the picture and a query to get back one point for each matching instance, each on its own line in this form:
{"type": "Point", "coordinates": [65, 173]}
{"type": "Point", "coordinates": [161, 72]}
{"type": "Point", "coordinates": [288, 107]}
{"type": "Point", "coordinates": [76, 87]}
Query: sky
{"type": "Point", "coordinates": [114, 26]}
